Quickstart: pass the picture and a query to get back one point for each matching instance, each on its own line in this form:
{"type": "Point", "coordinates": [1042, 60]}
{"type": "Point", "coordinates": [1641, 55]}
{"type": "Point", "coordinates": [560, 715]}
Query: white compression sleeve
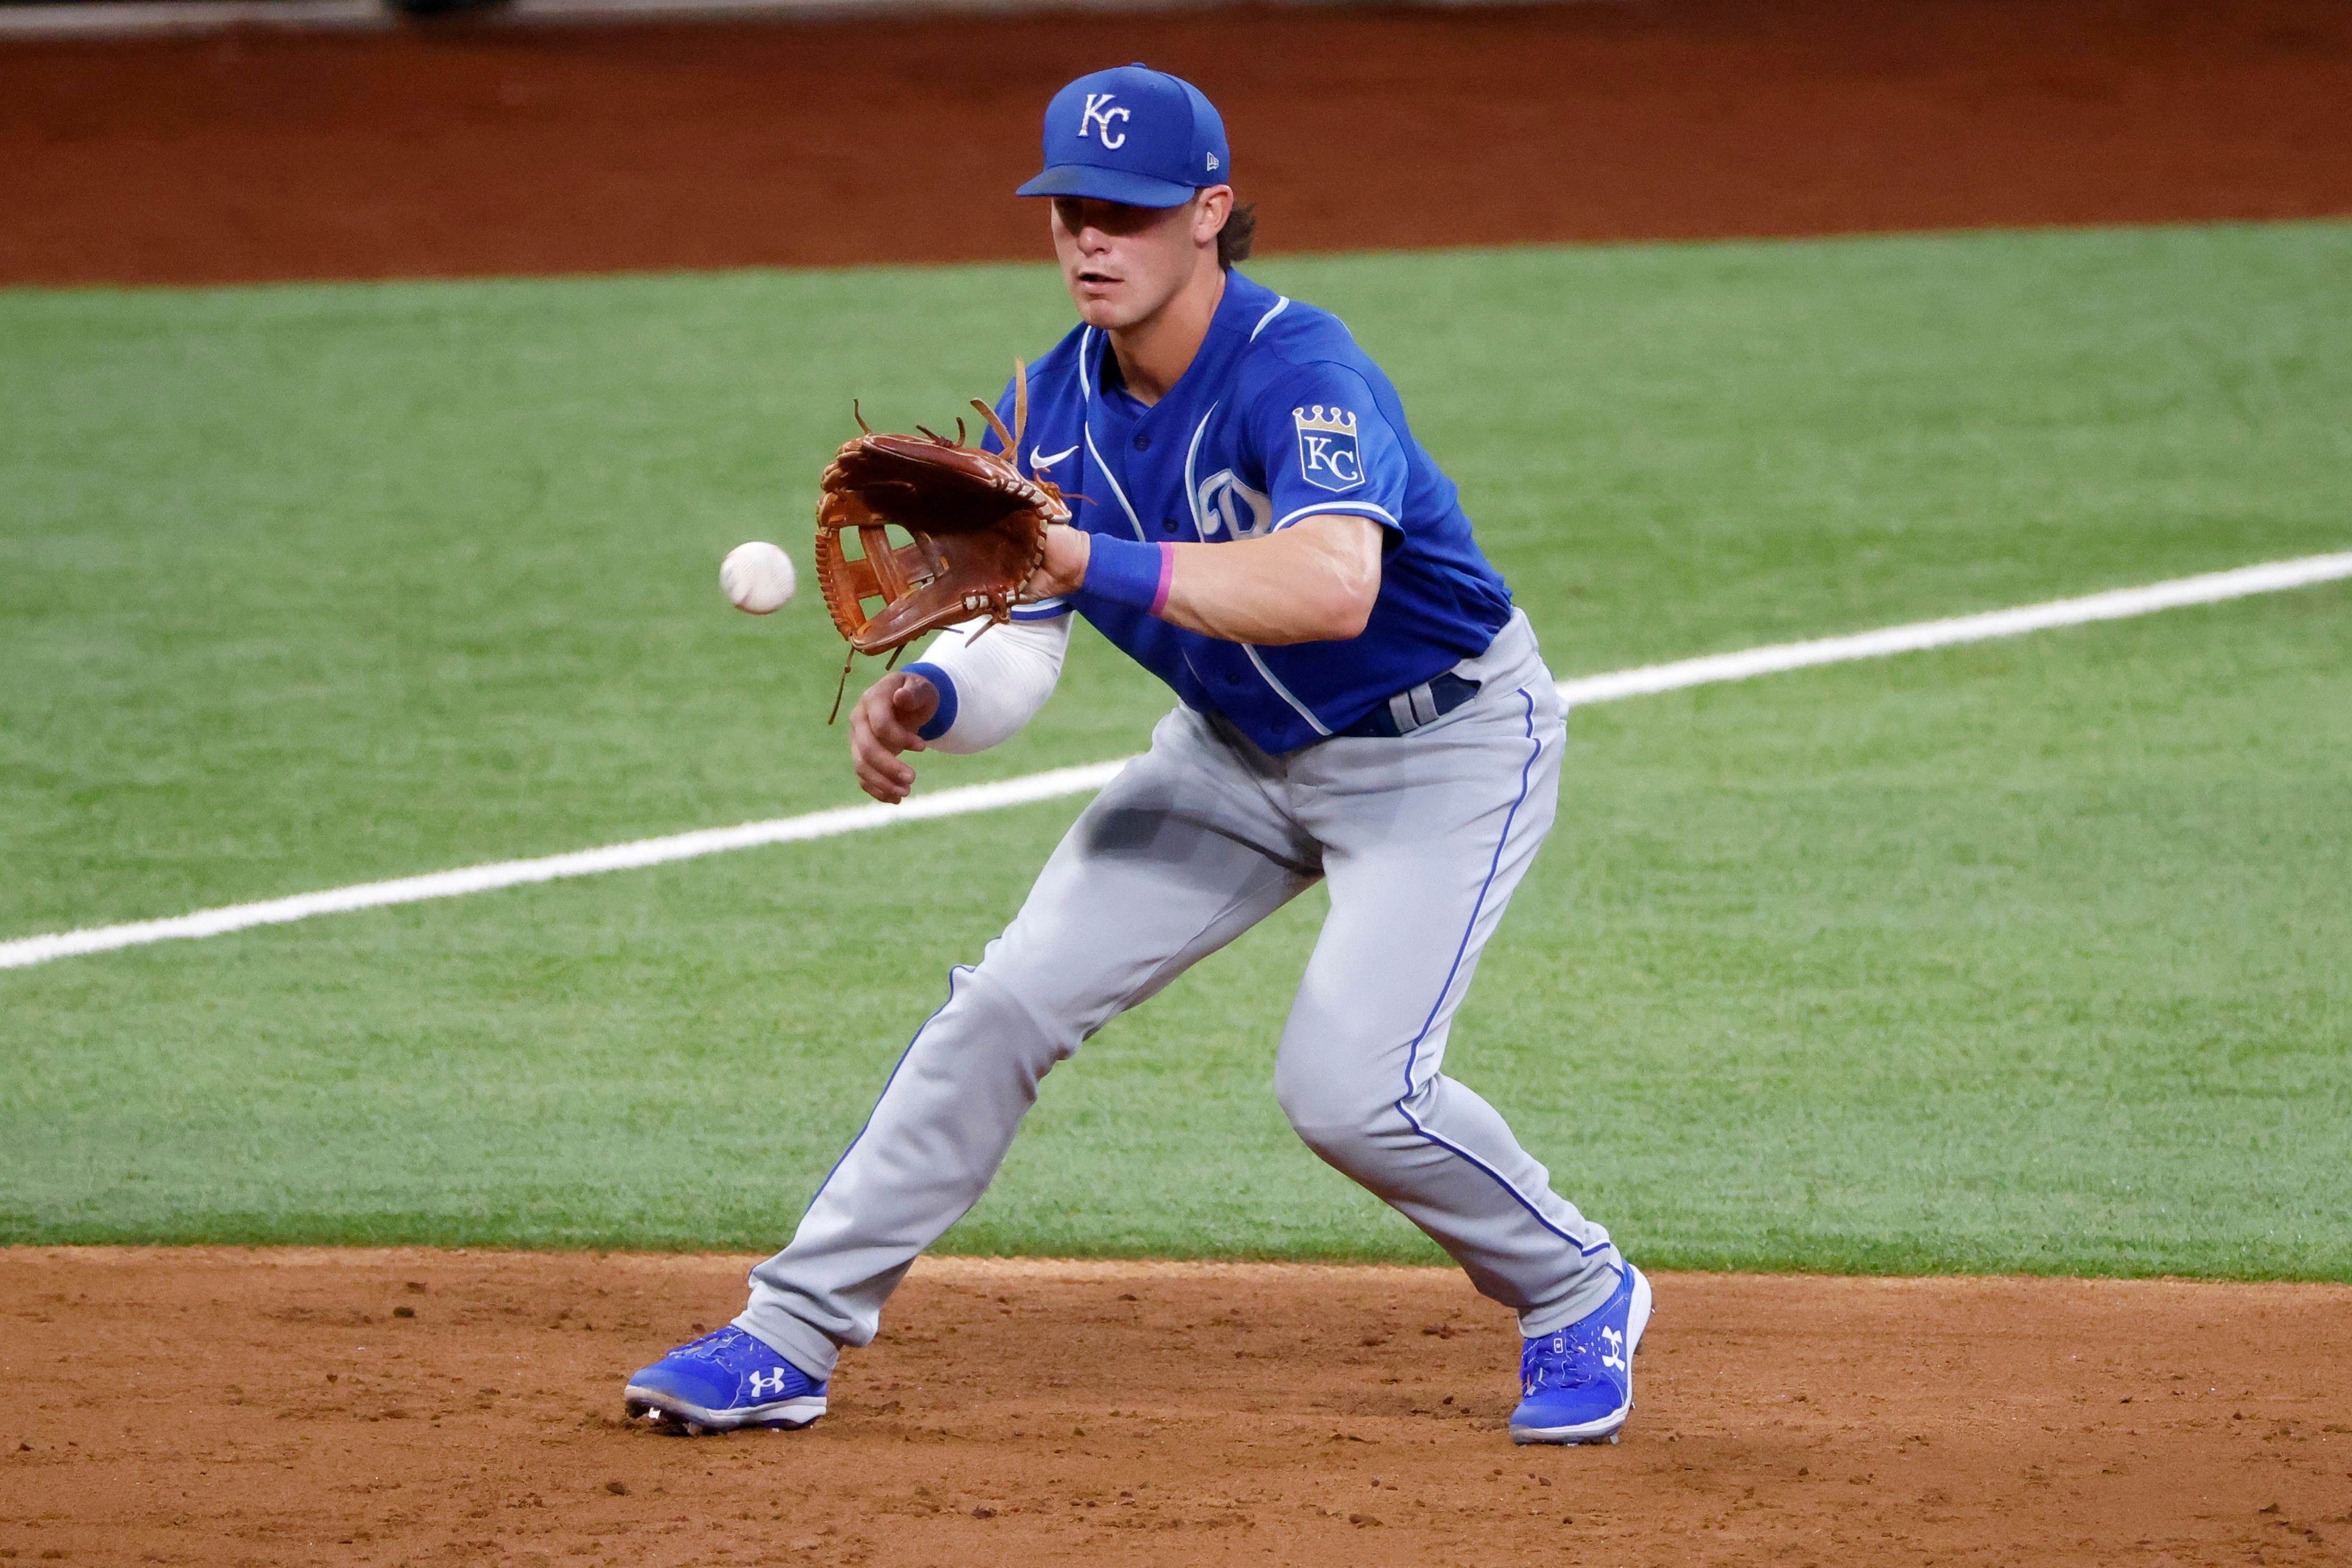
{"type": "Point", "coordinates": [989, 686]}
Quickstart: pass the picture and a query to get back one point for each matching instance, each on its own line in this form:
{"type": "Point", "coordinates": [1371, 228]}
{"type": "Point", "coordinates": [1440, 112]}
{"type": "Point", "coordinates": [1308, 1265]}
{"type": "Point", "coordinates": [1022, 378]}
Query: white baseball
{"type": "Point", "coordinates": [758, 578]}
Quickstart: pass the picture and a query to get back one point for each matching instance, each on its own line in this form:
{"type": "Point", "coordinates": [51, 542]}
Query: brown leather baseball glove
{"type": "Point", "coordinates": [974, 526]}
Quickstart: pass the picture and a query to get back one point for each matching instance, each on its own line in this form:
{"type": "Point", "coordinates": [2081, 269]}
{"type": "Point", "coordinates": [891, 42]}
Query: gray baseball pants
{"type": "Point", "coordinates": [1421, 837]}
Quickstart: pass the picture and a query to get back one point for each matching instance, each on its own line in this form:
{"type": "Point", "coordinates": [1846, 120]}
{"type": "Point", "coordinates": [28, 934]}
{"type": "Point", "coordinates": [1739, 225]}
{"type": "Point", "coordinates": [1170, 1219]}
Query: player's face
{"type": "Point", "coordinates": [1122, 263]}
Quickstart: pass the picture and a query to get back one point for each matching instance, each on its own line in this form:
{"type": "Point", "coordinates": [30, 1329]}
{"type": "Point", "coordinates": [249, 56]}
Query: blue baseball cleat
{"type": "Point", "coordinates": [720, 1381]}
{"type": "Point", "coordinates": [1578, 1384]}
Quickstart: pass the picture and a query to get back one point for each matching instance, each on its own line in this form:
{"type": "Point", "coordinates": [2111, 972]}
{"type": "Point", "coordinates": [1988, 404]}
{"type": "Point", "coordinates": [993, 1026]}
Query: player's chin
{"type": "Point", "coordinates": [1105, 308]}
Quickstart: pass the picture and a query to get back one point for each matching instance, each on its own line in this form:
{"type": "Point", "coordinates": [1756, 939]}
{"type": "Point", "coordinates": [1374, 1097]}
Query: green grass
{"type": "Point", "coordinates": [2027, 955]}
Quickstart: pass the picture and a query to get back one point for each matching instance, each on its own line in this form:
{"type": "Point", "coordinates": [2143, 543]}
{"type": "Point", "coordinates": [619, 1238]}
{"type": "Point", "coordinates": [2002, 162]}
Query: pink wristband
{"type": "Point", "coordinates": [1167, 577]}
{"type": "Point", "coordinates": [1130, 572]}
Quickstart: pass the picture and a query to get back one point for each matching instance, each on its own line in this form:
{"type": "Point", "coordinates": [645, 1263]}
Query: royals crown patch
{"type": "Point", "coordinates": [1327, 454]}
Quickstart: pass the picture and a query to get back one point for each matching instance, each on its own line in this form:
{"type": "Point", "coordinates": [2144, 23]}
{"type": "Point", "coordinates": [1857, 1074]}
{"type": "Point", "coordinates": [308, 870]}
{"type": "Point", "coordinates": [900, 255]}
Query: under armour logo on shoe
{"type": "Point", "coordinates": [1610, 1357]}
{"type": "Point", "coordinates": [767, 1382]}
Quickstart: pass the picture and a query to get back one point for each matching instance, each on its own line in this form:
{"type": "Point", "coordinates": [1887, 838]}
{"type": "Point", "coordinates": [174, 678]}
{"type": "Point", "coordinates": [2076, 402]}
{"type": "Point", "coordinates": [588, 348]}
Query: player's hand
{"type": "Point", "coordinates": [1067, 550]}
{"type": "Point", "coordinates": [883, 725]}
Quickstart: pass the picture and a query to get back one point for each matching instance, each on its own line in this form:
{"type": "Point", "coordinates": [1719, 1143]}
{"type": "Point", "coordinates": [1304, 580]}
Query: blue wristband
{"type": "Point", "coordinates": [943, 720]}
{"type": "Point", "coordinates": [1130, 573]}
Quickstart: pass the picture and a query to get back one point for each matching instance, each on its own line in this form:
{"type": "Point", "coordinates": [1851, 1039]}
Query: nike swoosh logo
{"type": "Point", "coordinates": [1039, 460]}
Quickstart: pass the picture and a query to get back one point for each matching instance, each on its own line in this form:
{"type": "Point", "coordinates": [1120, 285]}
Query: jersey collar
{"type": "Point", "coordinates": [1245, 307]}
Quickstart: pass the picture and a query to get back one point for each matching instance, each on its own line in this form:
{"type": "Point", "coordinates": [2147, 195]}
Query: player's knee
{"type": "Point", "coordinates": [987, 1017]}
{"type": "Point", "coordinates": [1339, 1120]}
{"type": "Point", "coordinates": [1047, 993]}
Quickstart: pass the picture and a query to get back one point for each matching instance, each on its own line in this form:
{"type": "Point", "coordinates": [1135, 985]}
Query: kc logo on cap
{"type": "Point", "coordinates": [1133, 135]}
{"type": "Point", "coordinates": [1099, 112]}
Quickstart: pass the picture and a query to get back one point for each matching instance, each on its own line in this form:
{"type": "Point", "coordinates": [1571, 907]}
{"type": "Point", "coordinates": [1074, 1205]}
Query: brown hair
{"type": "Point", "coordinates": [1234, 239]}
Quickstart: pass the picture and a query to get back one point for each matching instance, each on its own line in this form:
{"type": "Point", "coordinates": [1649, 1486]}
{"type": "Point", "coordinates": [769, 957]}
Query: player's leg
{"type": "Point", "coordinates": [1182, 854]}
{"type": "Point", "coordinates": [1426, 836]}
{"type": "Point", "coordinates": [1423, 846]}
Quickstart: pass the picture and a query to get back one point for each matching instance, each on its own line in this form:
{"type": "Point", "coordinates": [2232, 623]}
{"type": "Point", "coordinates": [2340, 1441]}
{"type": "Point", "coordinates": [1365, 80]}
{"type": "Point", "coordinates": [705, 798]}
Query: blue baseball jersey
{"type": "Point", "coordinates": [1280, 416]}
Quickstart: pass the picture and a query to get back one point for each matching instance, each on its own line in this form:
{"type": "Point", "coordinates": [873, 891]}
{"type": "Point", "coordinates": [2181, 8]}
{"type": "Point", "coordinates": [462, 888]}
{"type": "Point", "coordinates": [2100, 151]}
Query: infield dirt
{"type": "Point", "coordinates": [519, 149]}
{"type": "Point", "coordinates": [291, 1407]}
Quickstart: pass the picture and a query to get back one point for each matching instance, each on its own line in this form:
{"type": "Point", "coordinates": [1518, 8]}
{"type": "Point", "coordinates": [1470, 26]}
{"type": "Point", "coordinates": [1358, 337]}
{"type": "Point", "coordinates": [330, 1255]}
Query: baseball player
{"type": "Point", "coordinates": [1357, 703]}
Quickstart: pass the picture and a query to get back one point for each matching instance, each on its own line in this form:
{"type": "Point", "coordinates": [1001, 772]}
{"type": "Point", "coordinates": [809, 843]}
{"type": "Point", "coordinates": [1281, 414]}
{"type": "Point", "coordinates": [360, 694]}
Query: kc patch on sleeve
{"type": "Point", "coordinates": [1329, 456]}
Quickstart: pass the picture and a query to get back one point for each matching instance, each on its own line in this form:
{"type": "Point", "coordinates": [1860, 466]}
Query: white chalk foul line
{"type": "Point", "coordinates": [2270, 577]}
{"type": "Point", "coordinates": [1019, 791]}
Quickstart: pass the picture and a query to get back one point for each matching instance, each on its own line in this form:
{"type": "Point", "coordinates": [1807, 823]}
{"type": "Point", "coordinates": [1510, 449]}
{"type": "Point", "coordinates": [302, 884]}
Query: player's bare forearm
{"type": "Point", "coordinates": [1315, 581]}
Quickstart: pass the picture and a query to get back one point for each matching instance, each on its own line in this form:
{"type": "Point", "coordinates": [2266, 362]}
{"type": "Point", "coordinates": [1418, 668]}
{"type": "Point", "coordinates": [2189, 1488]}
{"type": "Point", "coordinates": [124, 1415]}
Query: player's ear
{"type": "Point", "coordinates": [1210, 208]}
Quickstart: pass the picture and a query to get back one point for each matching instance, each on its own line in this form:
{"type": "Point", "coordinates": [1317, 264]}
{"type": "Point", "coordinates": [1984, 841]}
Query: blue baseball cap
{"type": "Point", "coordinates": [1132, 135]}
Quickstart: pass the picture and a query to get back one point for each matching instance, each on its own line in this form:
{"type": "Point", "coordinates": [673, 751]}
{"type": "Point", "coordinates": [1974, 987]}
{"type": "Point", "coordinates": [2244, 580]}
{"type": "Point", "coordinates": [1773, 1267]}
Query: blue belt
{"type": "Point", "coordinates": [1410, 710]}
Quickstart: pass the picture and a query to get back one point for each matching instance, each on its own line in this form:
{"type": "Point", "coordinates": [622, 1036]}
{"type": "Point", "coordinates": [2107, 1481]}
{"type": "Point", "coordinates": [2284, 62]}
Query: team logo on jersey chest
{"type": "Point", "coordinates": [1327, 454]}
{"type": "Point", "coordinates": [1224, 505]}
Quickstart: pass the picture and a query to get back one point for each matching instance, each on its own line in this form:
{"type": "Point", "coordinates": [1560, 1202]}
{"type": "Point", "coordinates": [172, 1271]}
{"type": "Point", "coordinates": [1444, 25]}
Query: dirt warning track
{"type": "Point", "coordinates": [528, 149]}
{"type": "Point", "coordinates": [293, 1406]}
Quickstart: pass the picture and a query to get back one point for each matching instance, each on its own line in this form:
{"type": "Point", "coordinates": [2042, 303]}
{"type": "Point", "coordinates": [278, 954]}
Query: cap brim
{"type": "Point", "coordinates": [1107, 185]}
